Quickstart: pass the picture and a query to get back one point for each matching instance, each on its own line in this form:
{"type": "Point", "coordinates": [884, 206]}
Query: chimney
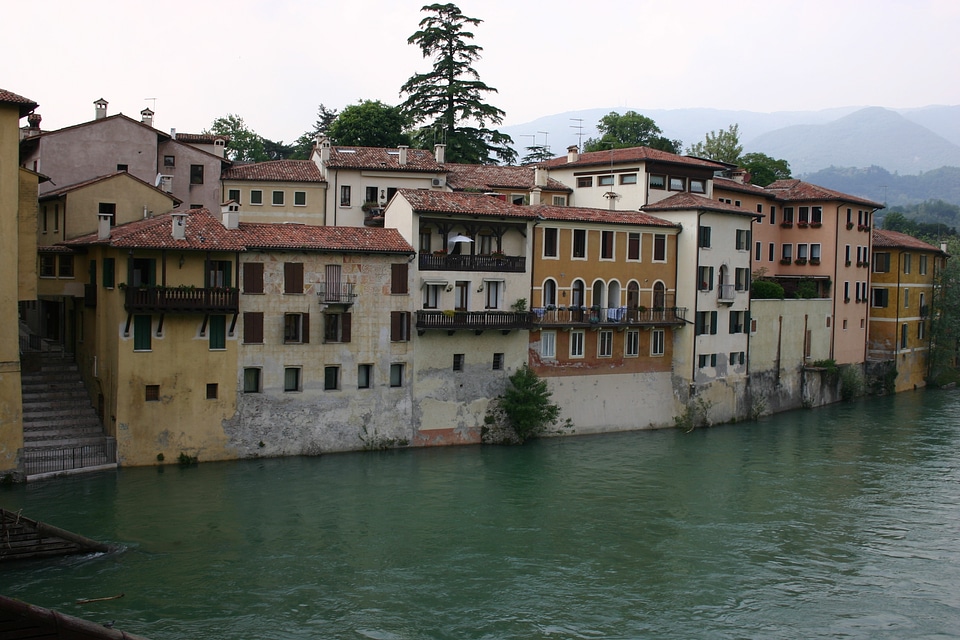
{"type": "Point", "coordinates": [540, 176]}
{"type": "Point", "coordinates": [33, 124]}
{"type": "Point", "coordinates": [740, 175]}
{"type": "Point", "coordinates": [220, 148]}
{"type": "Point", "coordinates": [101, 109]}
{"type": "Point", "coordinates": [103, 226]}
{"type": "Point", "coordinates": [535, 195]}
{"type": "Point", "coordinates": [179, 225]}
{"type": "Point", "coordinates": [146, 117]}
{"type": "Point", "coordinates": [403, 155]}
{"type": "Point", "coordinates": [438, 153]}
{"type": "Point", "coordinates": [573, 153]}
{"type": "Point", "coordinates": [231, 219]}
{"type": "Point", "coordinates": [173, 133]}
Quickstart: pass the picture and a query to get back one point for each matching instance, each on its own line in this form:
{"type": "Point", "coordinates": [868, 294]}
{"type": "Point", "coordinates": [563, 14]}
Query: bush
{"type": "Point", "coordinates": [806, 289]}
{"type": "Point", "coordinates": [766, 290]}
{"type": "Point", "coordinates": [522, 413]}
{"type": "Point", "coordinates": [851, 382]}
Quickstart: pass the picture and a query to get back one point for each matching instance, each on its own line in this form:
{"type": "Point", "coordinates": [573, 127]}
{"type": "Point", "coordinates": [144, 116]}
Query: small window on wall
{"type": "Point", "coordinates": [659, 247]}
{"type": "Point", "coordinates": [196, 174]}
{"type": "Point", "coordinates": [458, 359]}
{"type": "Point", "coordinates": [559, 201]}
{"type": "Point", "coordinates": [256, 196]}
{"type": "Point", "coordinates": [628, 178]}
{"type": "Point", "coordinates": [345, 195]}
{"type": "Point", "coordinates": [331, 378]}
{"type": "Point", "coordinates": [291, 379]}
{"type": "Point", "coordinates": [498, 362]}
{"type": "Point", "coordinates": [656, 342]}
{"type": "Point", "coordinates": [396, 374]}
{"type": "Point", "coordinates": [605, 181]}
{"type": "Point", "coordinates": [585, 181]}
{"type": "Point", "coordinates": [658, 182]}
{"type": "Point", "coordinates": [548, 344]}
{"type": "Point", "coordinates": [169, 161]}
{"type": "Point", "coordinates": [579, 243]}
{"type": "Point", "coordinates": [550, 242]}
{"type": "Point", "coordinates": [364, 376]}
{"type": "Point", "coordinates": [66, 266]}
{"type": "Point", "coordinates": [678, 184]}
{"type": "Point", "coordinates": [152, 393]}
{"type": "Point", "coordinates": [698, 186]}
{"type": "Point", "coordinates": [218, 332]}
{"type": "Point", "coordinates": [278, 198]}
{"type": "Point", "coordinates": [234, 194]}
{"type": "Point", "coordinates": [213, 390]}
{"type": "Point", "coordinates": [299, 198]}
{"type": "Point", "coordinates": [251, 380]}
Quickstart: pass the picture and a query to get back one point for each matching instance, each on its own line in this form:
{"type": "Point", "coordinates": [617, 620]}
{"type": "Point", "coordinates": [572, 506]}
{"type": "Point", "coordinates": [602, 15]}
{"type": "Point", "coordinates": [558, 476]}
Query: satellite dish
{"type": "Point", "coordinates": [159, 179]}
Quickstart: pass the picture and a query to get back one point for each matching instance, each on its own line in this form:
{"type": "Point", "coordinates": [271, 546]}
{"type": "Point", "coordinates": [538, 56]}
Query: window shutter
{"type": "Point", "coordinates": [253, 277]}
{"type": "Point", "coordinates": [305, 328]}
{"type": "Point", "coordinates": [733, 321]}
{"type": "Point", "coordinates": [253, 327]}
{"type": "Point", "coordinates": [345, 319]}
{"type": "Point", "coordinates": [293, 277]}
{"type": "Point", "coordinates": [398, 277]}
{"type": "Point", "coordinates": [710, 279]}
{"type": "Point", "coordinates": [713, 323]}
{"type": "Point", "coordinates": [746, 325]}
{"type": "Point", "coordinates": [395, 326]}
{"type": "Point", "coordinates": [698, 324]}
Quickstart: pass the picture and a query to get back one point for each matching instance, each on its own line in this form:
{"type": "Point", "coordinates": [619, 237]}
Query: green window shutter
{"type": "Point", "coordinates": [142, 328]}
{"type": "Point", "coordinates": [218, 332]}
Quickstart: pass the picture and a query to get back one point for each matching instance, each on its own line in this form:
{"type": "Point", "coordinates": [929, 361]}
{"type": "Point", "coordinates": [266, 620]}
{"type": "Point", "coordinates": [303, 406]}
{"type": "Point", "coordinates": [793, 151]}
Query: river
{"type": "Point", "coordinates": [840, 522]}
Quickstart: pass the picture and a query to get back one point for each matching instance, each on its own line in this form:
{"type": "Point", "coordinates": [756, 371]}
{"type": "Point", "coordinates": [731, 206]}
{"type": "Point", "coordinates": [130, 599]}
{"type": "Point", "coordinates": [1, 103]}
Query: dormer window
{"type": "Point", "coordinates": [658, 182]}
{"type": "Point", "coordinates": [678, 184]}
{"type": "Point", "coordinates": [698, 186]}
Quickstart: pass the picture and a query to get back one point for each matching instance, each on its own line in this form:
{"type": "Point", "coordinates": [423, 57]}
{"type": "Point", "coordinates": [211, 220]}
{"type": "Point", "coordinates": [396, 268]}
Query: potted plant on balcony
{"type": "Point", "coordinates": [816, 225]}
{"type": "Point", "coordinates": [440, 252]}
{"type": "Point", "coordinates": [786, 224]}
{"type": "Point", "coordinates": [814, 261]}
{"type": "Point", "coordinates": [802, 224]}
{"type": "Point", "coordinates": [785, 261]}
{"type": "Point", "coordinates": [849, 226]}
{"type": "Point", "coordinates": [800, 261]}
{"type": "Point", "coordinates": [498, 254]}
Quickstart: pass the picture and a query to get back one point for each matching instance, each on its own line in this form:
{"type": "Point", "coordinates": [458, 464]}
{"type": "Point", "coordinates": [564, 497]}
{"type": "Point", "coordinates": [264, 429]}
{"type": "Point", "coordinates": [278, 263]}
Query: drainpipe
{"type": "Point", "coordinates": [870, 281]}
{"type": "Point", "coordinates": [836, 279]}
{"type": "Point", "coordinates": [896, 333]}
{"type": "Point", "coordinates": [336, 194]}
{"type": "Point", "coordinates": [696, 298]}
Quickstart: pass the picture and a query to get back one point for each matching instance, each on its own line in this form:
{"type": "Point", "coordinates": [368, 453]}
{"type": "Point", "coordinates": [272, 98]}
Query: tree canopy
{"type": "Point", "coordinates": [630, 130]}
{"type": "Point", "coordinates": [764, 169]}
{"type": "Point", "coordinates": [447, 101]}
{"type": "Point", "coordinates": [246, 145]}
{"type": "Point", "coordinates": [369, 123]}
{"type": "Point", "coordinates": [304, 144]}
{"type": "Point", "coordinates": [720, 146]}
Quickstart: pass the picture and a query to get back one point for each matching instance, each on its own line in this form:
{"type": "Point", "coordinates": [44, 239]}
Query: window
{"type": "Point", "coordinates": [803, 215]}
{"type": "Point", "coordinates": [903, 335]}
{"type": "Point", "coordinates": [142, 328]}
{"type": "Point", "coordinates": [815, 253]}
{"type": "Point", "coordinates": [881, 262]}
{"type": "Point", "coordinates": [278, 198]}
{"type": "Point", "coordinates": [605, 344]}
{"type": "Point", "coordinates": [256, 196]}
{"type": "Point", "coordinates": [169, 161]}
{"type": "Point", "coordinates": [461, 295]}
{"type": "Point", "coordinates": [773, 214]}
{"type": "Point", "coordinates": [253, 327]}
{"type": "Point", "coordinates": [907, 260]}
{"type": "Point", "coordinates": [658, 182]}
{"type": "Point", "coordinates": [787, 252]}
{"type": "Point", "coordinates": [707, 360]}
{"type": "Point", "coordinates": [518, 198]}
{"type": "Point", "coordinates": [548, 344]}
{"type": "Point", "coordinates": [604, 181]}
{"type": "Point", "coordinates": [43, 218]}
{"type": "Point", "coordinates": [234, 194]}
{"type": "Point", "coordinates": [251, 380]}
{"type": "Point", "coordinates": [66, 266]}
{"type": "Point", "coordinates": [398, 278]}
{"type": "Point", "coordinates": [576, 344]}
{"type": "Point", "coordinates": [497, 362]}
{"type": "Point", "coordinates": [743, 239]}
{"type": "Point", "coordinates": [431, 295]}
{"type": "Point", "coordinates": [219, 273]}
{"type": "Point", "coordinates": [550, 242]}
{"type": "Point", "coordinates": [606, 245]}
{"type": "Point", "coordinates": [847, 255]}
{"type": "Point", "coordinates": [788, 215]}
{"type": "Point", "coordinates": [399, 326]}
{"type": "Point", "coordinates": [579, 243]}
{"type": "Point", "coordinates": [906, 298]}
{"type": "Point", "coordinates": [659, 247]}
{"type": "Point", "coordinates": [881, 297]}
{"type": "Point", "coordinates": [758, 252]}
{"type": "Point", "coordinates": [296, 328]}
{"type": "Point", "coordinates": [292, 277]}
{"type": "Point", "coordinates": [299, 198]}
{"type": "Point", "coordinates": [331, 378]}
{"type": "Point", "coordinates": [109, 273]}
{"type": "Point", "coordinates": [706, 323]}
{"type": "Point", "coordinates": [559, 201]}
{"type": "Point", "coordinates": [396, 374]}
{"type": "Point", "coordinates": [923, 265]}
{"type": "Point", "coordinates": [577, 294]}
{"type": "Point", "coordinates": [212, 390]}
{"type": "Point", "coordinates": [364, 376]}
{"type": "Point", "coordinates": [633, 246]}
{"type": "Point", "coordinates": [494, 293]}
{"type": "Point", "coordinates": [337, 327]}
{"type": "Point", "coordinates": [738, 322]}
{"type": "Point", "coordinates": [816, 215]}
{"type": "Point", "coordinates": [218, 332]}
{"type": "Point", "coordinates": [103, 209]}
{"type": "Point", "coordinates": [801, 251]}
{"type": "Point", "coordinates": [425, 241]}
{"type": "Point", "coordinates": [772, 252]}
{"type": "Point", "coordinates": [678, 184]}
{"type": "Point", "coordinates": [920, 330]}
{"type": "Point", "coordinates": [705, 279]}
{"type": "Point", "coordinates": [584, 181]}
{"type": "Point", "coordinates": [345, 195]}
{"type": "Point", "coordinates": [486, 244]}
{"type": "Point", "coordinates": [742, 279]}
{"type": "Point", "coordinates": [458, 359]}
{"type": "Point", "coordinates": [703, 237]}
{"type": "Point", "coordinates": [152, 393]}
{"type": "Point", "coordinates": [631, 348]}
{"type": "Point", "coordinates": [698, 186]}
{"type": "Point", "coordinates": [549, 292]}
{"type": "Point", "coordinates": [656, 342]}
{"type": "Point", "coordinates": [628, 178]}
{"type": "Point", "coordinates": [291, 379]}
{"type": "Point", "coordinates": [736, 357]}
{"type": "Point", "coordinates": [253, 277]}
{"type": "Point", "coordinates": [196, 174]}
{"type": "Point", "coordinates": [846, 291]}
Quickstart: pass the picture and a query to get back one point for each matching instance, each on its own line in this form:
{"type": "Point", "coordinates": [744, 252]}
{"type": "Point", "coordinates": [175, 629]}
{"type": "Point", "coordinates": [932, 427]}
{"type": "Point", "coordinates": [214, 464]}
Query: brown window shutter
{"type": "Point", "coordinates": [345, 327]}
{"type": "Point", "coordinates": [253, 327]}
{"type": "Point", "coordinates": [293, 277]}
{"type": "Point", "coordinates": [305, 328]}
{"type": "Point", "coordinates": [395, 326]}
{"type": "Point", "coordinates": [398, 277]}
{"type": "Point", "coordinates": [253, 277]}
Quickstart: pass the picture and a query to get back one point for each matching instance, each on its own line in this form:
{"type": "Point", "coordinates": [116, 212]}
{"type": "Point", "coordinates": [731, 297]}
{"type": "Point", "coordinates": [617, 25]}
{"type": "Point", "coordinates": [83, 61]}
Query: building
{"type": "Point", "coordinates": [277, 191]}
{"type": "Point", "coordinates": [605, 315]}
{"type": "Point", "coordinates": [901, 295]}
{"type": "Point", "coordinates": [517, 185]}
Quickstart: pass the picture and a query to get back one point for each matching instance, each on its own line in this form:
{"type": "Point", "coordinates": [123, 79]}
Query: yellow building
{"type": "Point", "coordinates": [277, 191]}
{"type": "Point", "coordinates": [516, 185]}
{"type": "Point", "coordinates": [902, 290]}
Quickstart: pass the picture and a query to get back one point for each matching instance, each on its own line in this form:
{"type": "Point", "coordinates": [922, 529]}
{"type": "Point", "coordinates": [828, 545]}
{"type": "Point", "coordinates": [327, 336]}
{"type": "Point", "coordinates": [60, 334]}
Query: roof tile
{"type": "Point", "coordinates": [474, 204]}
{"type": "Point", "coordinates": [896, 240]}
{"type": "Point", "coordinates": [687, 201]}
{"type": "Point", "coordinates": [485, 177]}
{"type": "Point", "coordinates": [276, 171]}
{"type": "Point", "coordinates": [630, 154]}
{"type": "Point", "coordinates": [585, 214]}
{"type": "Point", "coordinates": [382, 159]}
{"type": "Point", "coordinates": [793, 190]}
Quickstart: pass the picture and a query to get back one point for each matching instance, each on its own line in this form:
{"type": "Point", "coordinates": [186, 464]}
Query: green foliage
{"type": "Point", "coordinates": [536, 154]}
{"type": "Point", "coordinates": [377, 442]}
{"type": "Point", "coordinates": [766, 290]}
{"type": "Point", "coordinates": [892, 189]}
{"type": "Point", "coordinates": [370, 123]}
{"type": "Point", "coordinates": [303, 147]}
{"type": "Point", "coordinates": [829, 364]}
{"type": "Point", "coordinates": [851, 382]}
{"type": "Point", "coordinates": [763, 169]}
{"type": "Point", "coordinates": [245, 144]}
{"type": "Point", "coordinates": [945, 316]}
{"type": "Point", "coordinates": [185, 460]}
{"type": "Point", "coordinates": [523, 412]}
{"type": "Point", "coordinates": [930, 220]}
{"type": "Point", "coordinates": [451, 93]}
{"type": "Point", "coordinates": [630, 130]}
{"type": "Point", "coordinates": [806, 289]}
{"type": "Point", "coordinates": [695, 414]}
{"type": "Point", "coordinates": [721, 146]}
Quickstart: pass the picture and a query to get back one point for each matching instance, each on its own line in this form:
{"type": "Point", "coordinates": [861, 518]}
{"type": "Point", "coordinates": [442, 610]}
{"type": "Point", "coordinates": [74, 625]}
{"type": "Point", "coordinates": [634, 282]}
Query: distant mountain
{"type": "Point", "coordinates": [879, 185]}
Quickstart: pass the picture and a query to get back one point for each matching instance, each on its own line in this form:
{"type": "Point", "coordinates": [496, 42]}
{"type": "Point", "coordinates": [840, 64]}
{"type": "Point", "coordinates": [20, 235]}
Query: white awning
{"type": "Point", "coordinates": [433, 282]}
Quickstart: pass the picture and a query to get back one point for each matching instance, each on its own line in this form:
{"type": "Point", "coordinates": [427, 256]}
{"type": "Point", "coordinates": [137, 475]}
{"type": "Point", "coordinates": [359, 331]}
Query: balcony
{"type": "Point", "coordinates": [478, 321]}
{"type": "Point", "coordinates": [495, 263]}
{"type": "Point", "coordinates": [181, 300]}
{"type": "Point", "coordinates": [726, 293]}
{"type": "Point", "coordinates": [335, 292]}
{"type": "Point", "coordinates": [609, 317]}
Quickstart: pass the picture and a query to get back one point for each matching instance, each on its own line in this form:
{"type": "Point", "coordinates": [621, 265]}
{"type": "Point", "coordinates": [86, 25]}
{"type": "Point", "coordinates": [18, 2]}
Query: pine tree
{"type": "Point", "coordinates": [448, 100]}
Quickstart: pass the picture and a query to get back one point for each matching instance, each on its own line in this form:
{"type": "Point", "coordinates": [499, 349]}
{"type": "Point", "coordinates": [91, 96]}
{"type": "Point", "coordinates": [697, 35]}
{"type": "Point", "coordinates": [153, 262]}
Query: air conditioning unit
{"type": "Point", "coordinates": [438, 182]}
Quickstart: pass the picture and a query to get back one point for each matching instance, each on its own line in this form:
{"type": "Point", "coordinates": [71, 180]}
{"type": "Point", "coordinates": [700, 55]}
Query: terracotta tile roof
{"type": "Point", "coordinates": [603, 216]}
{"type": "Point", "coordinates": [631, 154]}
{"type": "Point", "coordinates": [117, 116]}
{"type": "Point", "coordinates": [794, 190]}
{"type": "Point", "coordinates": [26, 104]}
{"type": "Point", "coordinates": [275, 171]}
{"type": "Point", "coordinates": [200, 138]}
{"type": "Point", "coordinates": [205, 232]}
{"type": "Point", "coordinates": [56, 193]}
{"type": "Point", "coordinates": [687, 201]}
{"type": "Point", "coordinates": [462, 203]}
{"type": "Point", "coordinates": [485, 177]}
{"type": "Point", "coordinates": [310, 237]}
{"type": "Point", "coordinates": [383, 159]}
{"type": "Point", "coordinates": [732, 185]}
{"type": "Point", "coordinates": [896, 240]}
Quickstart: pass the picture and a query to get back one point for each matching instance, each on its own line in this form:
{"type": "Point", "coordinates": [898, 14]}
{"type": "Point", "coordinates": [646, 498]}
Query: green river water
{"type": "Point", "coordinates": [841, 522]}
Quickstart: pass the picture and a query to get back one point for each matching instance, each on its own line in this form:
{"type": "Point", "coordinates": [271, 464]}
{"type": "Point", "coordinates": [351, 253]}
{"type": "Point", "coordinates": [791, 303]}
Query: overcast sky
{"type": "Point", "coordinates": [272, 62]}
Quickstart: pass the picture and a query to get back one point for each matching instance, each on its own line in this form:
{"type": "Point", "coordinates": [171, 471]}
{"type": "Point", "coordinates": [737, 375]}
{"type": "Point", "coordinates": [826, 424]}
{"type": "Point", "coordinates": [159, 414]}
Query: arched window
{"type": "Point", "coordinates": [613, 295]}
{"type": "Point", "coordinates": [633, 295]}
{"type": "Point", "coordinates": [598, 290]}
{"type": "Point", "coordinates": [549, 292]}
{"type": "Point", "coordinates": [577, 294]}
{"type": "Point", "coordinates": [659, 295]}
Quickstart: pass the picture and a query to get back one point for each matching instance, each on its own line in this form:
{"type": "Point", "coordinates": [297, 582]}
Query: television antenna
{"type": "Point", "coordinates": [579, 128]}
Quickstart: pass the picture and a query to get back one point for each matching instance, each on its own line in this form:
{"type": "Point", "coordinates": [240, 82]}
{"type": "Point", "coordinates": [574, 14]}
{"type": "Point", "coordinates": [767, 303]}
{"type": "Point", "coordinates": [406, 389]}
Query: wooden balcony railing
{"type": "Point", "coordinates": [445, 262]}
{"type": "Point", "coordinates": [615, 316]}
{"type": "Point", "coordinates": [335, 292]}
{"type": "Point", "coordinates": [181, 300]}
{"type": "Point", "coordinates": [474, 320]}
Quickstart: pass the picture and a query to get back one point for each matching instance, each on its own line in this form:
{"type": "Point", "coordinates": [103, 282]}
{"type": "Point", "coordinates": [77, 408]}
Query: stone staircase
{"type": "Point", "coordinates": [61, 430]}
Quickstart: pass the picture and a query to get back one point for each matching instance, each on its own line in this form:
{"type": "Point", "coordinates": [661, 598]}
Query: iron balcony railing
{"type": "Point", "coordinates": [446, 262]}
{"type": "Point", "coordinates": [475, 320]}
{"type": "Point", "coordinates": [336, 292]}
{"type": "Point", "coordinates": [609, 316]}
{"type": "Point", "coordinates": [37, 461]}
{"type": "Point", "coordinates": [181, 300]}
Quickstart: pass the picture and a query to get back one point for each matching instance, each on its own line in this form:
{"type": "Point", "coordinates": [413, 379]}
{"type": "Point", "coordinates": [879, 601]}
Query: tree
{"type": "Point", "coordinates": [720, 146]}
{"type": "Point", "coordinates": [370, 123]}
{"type": "Point", "coordinates": [245, 144]}
{"type": "Point", "coordinates": [449, 96]}
{"type": "Point", "coordinates": [945, 319]}
{"type": "Point", "coordinates": [630, 130]}
{"type": "Point", "coordinates": [304, 144]}
{"type": "Point", "coordinates": [764, 169]}
{"type": "Point", "coordinates": [536, 153]}
{"type": "Point", "coordinates": [523, 412]}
